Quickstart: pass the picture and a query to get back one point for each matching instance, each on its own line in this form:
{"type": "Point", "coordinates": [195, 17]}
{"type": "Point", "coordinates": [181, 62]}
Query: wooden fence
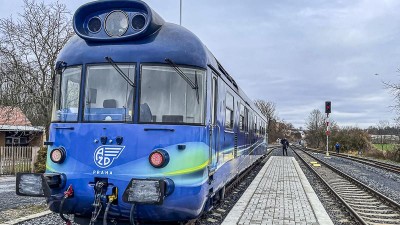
{"type": "Point", "coordinates": [16, 159]}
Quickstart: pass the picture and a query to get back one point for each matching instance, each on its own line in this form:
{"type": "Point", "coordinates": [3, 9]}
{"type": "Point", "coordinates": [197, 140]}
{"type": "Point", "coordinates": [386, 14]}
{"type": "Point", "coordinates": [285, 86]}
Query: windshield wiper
{"type": "Point", "coordinates": [186, 78]}
{"type": "Point", "coordinates": [123, 75]}
{"type": "Point", "coordinates": [60, 66]}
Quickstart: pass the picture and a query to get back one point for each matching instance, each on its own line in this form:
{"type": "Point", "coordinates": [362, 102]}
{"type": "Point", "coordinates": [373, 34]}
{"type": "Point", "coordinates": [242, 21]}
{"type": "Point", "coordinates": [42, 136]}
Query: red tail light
{"type": "Point", "coordinates": [159, 158]}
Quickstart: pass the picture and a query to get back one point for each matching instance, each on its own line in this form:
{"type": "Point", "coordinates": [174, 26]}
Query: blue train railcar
{"type": "Point", "coordinates": [147, 125]}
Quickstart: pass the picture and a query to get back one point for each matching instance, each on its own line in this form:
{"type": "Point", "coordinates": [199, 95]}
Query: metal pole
{"type": "Point", "coordinates": [180, 14]}
{"type": "Point", "coordinates": [327, 134]}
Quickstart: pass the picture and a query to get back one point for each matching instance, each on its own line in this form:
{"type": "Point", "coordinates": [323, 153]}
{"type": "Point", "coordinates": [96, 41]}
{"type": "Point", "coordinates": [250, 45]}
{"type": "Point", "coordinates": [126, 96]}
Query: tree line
{"type": "Point", "coordinates": [276, 127]}
{"type": "Point", "coordinates": [350, 138]}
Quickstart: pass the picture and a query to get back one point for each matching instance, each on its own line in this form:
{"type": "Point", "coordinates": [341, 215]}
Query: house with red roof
{"type": "Point", "coordinates": [17, 130]}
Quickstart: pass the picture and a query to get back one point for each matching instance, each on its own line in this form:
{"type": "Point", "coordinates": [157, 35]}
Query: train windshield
{"type": "Point", "coordinates": [66, 95]}
{"type": "Point", "coordinates": [167, 98]}
{"type": "Point", "coordinates": [108, 96]}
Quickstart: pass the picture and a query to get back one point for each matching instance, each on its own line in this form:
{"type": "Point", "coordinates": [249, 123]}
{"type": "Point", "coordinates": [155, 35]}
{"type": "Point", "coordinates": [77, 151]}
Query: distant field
{"type": "Point", "coordinates": [386, 147]}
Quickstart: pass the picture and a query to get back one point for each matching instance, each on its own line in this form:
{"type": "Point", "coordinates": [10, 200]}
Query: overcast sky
{"type": "Point", "coordinates": [297, 53]}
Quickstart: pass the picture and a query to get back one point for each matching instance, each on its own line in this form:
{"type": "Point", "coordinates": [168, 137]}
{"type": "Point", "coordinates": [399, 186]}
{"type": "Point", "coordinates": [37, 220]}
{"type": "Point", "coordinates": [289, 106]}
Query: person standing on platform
{"type": "Point", "coordinates": [285, 144]}
{"type": "Point", "coordinates": [337, 147]}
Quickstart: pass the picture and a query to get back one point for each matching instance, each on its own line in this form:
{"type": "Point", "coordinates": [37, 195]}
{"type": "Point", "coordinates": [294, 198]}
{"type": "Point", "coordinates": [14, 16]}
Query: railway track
{"type": "Point", "coordinates": [366, 205]}
{"type": "Point", "coordinates": [371, 162]}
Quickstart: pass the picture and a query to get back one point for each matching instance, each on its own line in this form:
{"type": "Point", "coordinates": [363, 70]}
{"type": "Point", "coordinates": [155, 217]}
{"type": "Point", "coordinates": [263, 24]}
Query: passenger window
{"type": "Point", "coordinates": [255, 124]}
{"type": "Point", "coordinates": [250, 122]}
{"type": "Point", "coordinates": [242, 121]}
{"type": "Point", "coordinates": [246, 119]}
{"type": "Point", "coordinates": [229, 111]}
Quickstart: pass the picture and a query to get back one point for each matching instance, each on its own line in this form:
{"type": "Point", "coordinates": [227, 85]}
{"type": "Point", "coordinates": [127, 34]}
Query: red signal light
{"type": "Point", "coordinates": [327, 107]}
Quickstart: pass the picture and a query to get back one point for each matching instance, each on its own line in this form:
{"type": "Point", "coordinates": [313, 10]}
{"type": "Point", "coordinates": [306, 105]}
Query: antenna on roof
{"type": "Point", "coordinates": [180, 14]}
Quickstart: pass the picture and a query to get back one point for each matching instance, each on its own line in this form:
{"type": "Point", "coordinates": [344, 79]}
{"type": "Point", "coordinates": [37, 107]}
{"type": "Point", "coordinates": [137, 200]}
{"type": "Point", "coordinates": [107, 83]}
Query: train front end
{"type": "Point", "coordinates": [128, 138]}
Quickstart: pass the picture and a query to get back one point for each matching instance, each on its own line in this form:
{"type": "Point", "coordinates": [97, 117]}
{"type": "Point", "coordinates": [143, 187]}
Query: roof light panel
{"type": "Point", "coordinates": [115, 23]}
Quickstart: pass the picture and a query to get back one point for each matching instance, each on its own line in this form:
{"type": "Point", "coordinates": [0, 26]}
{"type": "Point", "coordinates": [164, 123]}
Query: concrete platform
{"type": "Point", "coordinates": [280, 194]}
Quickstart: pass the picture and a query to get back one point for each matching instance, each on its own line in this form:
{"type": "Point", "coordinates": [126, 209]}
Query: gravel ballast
{"type": "Point", "coordinates": [383, 181]}
{"type": "Point", "coordinates": [13, 206]}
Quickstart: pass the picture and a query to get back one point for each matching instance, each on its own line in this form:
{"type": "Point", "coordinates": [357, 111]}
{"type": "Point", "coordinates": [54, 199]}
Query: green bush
{"type": "Point", "coordinates": [40, 164]}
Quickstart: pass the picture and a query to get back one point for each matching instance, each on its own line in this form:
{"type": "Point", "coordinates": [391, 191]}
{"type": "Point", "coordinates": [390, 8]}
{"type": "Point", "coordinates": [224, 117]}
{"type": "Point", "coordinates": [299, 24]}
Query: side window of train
{"type": "Point", "coordinates": [255, 124]}
{"type": "Point", "coordinates": [262, 128]}
{"type": "Point", "coordinates": [246, 119]}
{"type": "Point", "coordinates": [266, 127]}
{"type": "Point", "coordinates": [265, 131]}
{"type": "Point", "coordinates": [242, 121]}
{"type": "Point", "coordinates": [214, 104]}
{"type": "Point", "coordinates": [229, 111]}
{"type": "Point", "coordinates": [249, 122]}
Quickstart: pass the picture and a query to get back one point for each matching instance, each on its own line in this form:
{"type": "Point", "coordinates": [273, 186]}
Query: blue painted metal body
{"type": "Point", "coordinates": [196, 174]}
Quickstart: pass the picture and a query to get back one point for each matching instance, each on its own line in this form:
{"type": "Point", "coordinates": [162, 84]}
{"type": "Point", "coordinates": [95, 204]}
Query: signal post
{"type": "Point", "coordinates": [328, 110]}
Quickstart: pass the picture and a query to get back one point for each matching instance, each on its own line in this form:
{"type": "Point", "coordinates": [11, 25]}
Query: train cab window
{"type": "Point", "coordinates": [168, 97]}
{"type": "Point", "coordinates": [242, 121]}
{"type": "Point", "coordinates": [108, 96]}
{"type": "Point", "coordinates": [66, 95]}
{"type": "Point", "coordinates": [229, 102]}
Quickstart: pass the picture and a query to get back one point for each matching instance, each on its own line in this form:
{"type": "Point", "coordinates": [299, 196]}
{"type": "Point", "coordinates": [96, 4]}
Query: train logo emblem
{"type": "Point", "coordinates": [105, 155]}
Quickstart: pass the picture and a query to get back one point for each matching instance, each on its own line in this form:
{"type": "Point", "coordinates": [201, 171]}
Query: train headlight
{"type": "Point", "coordinates": [57, 155]}
{"type": "Point", "coordinates": [159, 158]}
{"type": "Point", "coordinates": [145, 191]}
{"type": "Point", "coordinates": [32, 184]}
{"type": "Point", "coordinates": [138, 21]}
{"type": "Point", "coordinates": [116, 23]}
{"type": "Point", "coordinates": [94, 25]}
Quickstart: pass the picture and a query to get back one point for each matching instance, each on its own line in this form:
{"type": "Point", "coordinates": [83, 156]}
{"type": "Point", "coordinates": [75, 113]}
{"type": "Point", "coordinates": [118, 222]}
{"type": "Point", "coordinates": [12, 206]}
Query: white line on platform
{"type": "Point", "coordinates": [319, 210]}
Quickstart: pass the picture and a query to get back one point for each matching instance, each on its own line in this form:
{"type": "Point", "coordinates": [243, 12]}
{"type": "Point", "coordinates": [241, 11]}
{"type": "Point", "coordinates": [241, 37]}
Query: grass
{"type": "Point", "coordinates": [386, 147]}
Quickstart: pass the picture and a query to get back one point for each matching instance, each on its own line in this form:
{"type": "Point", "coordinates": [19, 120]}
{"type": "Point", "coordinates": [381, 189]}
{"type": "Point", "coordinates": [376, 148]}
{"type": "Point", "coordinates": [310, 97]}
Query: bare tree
{"type": "Point", "coordinates": [29, 46]}
{"type": "Point", "coordinates": [315, 126]}
{"type": "Point", "coordinates": [268, 110]}
{"type": "Point", "coordinates": [274, 127]}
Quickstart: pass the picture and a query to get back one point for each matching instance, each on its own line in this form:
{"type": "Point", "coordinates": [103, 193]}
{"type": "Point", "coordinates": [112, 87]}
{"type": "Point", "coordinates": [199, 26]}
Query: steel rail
{"type": "Point", "coordinates": [358, 183]}
{"type": "Point", "coordinates": [371, 162]}
{"type": "Point", "coordinates": [372, 192]}
{"type": "Point", "coordinates": [354, 213]}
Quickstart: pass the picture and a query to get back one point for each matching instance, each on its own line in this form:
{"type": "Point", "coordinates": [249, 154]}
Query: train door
{"type": "Point", "coordinates": [215, 129]}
